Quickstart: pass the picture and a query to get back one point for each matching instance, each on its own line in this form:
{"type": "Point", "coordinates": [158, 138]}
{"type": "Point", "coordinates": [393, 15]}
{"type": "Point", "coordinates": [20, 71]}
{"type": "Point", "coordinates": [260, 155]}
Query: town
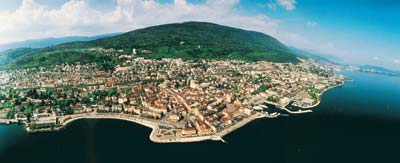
{"type": "Point", "coordinates": [182, 100]}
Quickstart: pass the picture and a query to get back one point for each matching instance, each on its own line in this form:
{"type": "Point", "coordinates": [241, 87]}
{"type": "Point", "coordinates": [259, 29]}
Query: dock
{"type": "Point", "coordinates": [296, 112]}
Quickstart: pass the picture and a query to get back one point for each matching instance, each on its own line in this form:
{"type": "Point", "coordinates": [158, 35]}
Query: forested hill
{"type": "Point", "coordinates": [201, 40]}
{"type": "Point", "coordinates": [190, 40]}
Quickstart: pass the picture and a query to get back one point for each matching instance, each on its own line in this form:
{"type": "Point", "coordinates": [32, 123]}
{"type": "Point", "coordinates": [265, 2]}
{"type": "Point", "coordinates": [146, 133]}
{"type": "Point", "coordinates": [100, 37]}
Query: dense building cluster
{"type": "Point", "coordinates": [188, 98]}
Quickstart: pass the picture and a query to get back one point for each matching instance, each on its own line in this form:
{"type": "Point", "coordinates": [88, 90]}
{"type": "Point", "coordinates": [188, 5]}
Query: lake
{"type": "Point", "coordinates": [358, 122]}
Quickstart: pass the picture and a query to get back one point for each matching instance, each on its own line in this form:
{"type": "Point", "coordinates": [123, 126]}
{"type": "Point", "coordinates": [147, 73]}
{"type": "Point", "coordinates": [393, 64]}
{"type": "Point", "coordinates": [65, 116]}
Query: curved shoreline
{"type": "Point", "coordinates": [319, 96]}
{"type": "Point", "coordinates": [154, 126]}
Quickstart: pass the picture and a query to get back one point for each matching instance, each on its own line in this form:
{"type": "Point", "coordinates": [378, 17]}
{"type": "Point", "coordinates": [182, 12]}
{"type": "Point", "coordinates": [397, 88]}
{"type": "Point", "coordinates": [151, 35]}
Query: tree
{"type": "Point", "coordinates": [112, 92]}
{"type": "Point", "coordinates": [11, 114]}
{"type": "Point", "coordinates": [85, 100]}
{"type": "Point", "coordinates": [54, 102]}
{"type": "Point", "coordinates": [12, 93]}
{"type": "Point", "coordinates": [262, 88]}
{"type": "Point", "coordinates": [8, 104]}
{"type": "Point", "coordinates": [69, 111]}
{"type": "Point", "coordinates": [32, 93]}
{"type": "Point", "coordinates": [18, 101]}
{"type": "Point", "coordinates": [28, 112]}
{"type": "Point", "coordinates": [106, 66]}
{"type": "Point", "coordinates": [273, 98]}
{"type": "Point", "coordinates": [3, 97]}
{"type": "Point", "coordinates": [47, 94]}
{"type": "Point", "coordinates": [125, 90]}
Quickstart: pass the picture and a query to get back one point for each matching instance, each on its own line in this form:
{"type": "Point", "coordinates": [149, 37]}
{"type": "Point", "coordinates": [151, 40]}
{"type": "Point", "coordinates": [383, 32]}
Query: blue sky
{"type": "Point", "coordinates": [357, 31]}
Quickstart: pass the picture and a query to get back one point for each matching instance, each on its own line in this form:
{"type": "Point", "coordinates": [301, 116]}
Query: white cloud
{"type": "Point", "coordinates": [261, 5]}
{"type": "Point", "coordinates": [375, 58]}
{"type": "Point", "coordinates": [271, 5]}
{"type": "Point", "coordinates": [397, 61]}
{"type": "Point", "coordinates": [311, 24]}
{"type": "Point", "coordinates": [287, 4]}
{"type": "Point", "coordinates": [76, 17]}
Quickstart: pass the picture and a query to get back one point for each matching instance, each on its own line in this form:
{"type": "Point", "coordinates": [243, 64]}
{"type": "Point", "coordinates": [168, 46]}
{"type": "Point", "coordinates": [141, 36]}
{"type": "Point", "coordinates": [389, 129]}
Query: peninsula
{"type": "Point", "coordinates": [183, 98]}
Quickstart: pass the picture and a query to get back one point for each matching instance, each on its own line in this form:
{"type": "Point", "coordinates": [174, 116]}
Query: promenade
{"type": "Point", "coordinates": [153, 124]}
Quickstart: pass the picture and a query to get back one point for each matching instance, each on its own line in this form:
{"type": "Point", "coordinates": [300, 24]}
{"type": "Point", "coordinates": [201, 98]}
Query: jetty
{"type": "Point", "coordinates": [296, 112]}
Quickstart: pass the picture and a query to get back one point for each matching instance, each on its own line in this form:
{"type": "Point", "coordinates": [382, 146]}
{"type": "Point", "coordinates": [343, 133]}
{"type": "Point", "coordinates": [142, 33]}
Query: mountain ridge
{"type": "Point", "coordinates": [188, 40]}
{"type": "Point", "coordinates": [51, 41]}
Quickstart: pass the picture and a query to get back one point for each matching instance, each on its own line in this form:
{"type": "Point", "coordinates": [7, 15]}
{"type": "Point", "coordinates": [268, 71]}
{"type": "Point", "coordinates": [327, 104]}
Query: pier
{"type": "Point", "coordinates": [296, 112]}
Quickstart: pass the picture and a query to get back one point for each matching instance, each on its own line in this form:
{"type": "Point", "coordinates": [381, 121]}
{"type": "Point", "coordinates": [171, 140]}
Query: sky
{"type": "Point", "coordinates": [356, 31]}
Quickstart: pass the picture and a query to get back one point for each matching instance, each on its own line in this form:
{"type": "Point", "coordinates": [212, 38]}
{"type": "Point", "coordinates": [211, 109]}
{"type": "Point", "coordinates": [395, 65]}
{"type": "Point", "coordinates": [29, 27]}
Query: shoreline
{"type": "Point", "coordinates": [155, 127]}
{"type": "Point", "coordinates": [319, 96]}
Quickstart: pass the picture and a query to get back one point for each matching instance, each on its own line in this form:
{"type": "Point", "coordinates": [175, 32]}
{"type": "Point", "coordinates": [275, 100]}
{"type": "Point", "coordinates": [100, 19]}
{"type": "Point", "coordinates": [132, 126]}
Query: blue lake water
{"type": "Point", "coordinates": [358, 122]}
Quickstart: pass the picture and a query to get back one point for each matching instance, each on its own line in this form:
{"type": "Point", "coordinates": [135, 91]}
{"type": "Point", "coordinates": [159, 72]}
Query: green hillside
{"type": "Point", "coordinates": [190, 40]}
{"type": "Point", "coordinates": [9, 55]}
